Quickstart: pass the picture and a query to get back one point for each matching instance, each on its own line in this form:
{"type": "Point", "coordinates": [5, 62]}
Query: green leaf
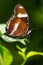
{"type": "Point", "coordinates": [5, 56]}
{"type": "Point", "coordinates": [32, 53]}
{"type": "Point", "coordinates": [2, 28]}
{"type": "Point", "coordinates": [21, 49]}
{"type": "Point", "coordinates": [10, 39]}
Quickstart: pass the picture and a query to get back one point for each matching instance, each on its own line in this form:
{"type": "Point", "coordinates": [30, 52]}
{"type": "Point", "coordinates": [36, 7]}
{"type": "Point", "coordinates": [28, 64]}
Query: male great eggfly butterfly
{"type": "Point", "coordinates": [18, 24]}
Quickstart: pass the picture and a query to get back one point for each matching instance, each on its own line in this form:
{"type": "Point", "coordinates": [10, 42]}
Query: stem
{"type": "Point", "coordinates": [23, 62]}
{"type": "Point", "coordinates": [25, 59]}
{"type": "Point", "coordinates": [22, 53]}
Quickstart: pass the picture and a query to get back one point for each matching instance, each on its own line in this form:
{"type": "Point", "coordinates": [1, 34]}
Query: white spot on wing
{"type": "Point", "coordinates": [22, 15]}
{"type": "Point", "coordinates": [20, 7]}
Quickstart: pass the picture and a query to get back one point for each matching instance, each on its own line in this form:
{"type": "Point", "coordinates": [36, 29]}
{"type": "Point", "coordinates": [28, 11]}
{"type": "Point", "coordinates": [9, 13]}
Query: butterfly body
{"type": "Point", "coordinates": [18, 24]}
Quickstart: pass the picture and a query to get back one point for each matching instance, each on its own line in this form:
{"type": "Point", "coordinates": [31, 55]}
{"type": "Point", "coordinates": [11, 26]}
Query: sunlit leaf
{"type": "Point", "coordinates": [32, 53]}
{"type": "Point", "coordinates": [10, 39]}
{"type": "Point", "coordinates": [2, 28]}
{"type": "Point", "coordinates": [5, 56]}
{"type": "Point", "coordinates": [21, 49]}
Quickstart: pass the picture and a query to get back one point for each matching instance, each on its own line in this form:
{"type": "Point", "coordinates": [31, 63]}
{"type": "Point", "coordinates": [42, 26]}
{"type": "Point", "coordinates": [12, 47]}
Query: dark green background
{"type": "Point", "coordinates": [35, 11]}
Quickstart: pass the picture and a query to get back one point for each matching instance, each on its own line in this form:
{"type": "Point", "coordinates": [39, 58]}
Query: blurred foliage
{"type": "Point", "coordinates": [35, 11]}
{"type": "Point", "coordinates": [5, 56]}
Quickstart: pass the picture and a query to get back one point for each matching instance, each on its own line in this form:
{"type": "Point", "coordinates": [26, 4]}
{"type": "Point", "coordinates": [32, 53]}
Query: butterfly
{"type": "Point", "coordinates": [18, 24]}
